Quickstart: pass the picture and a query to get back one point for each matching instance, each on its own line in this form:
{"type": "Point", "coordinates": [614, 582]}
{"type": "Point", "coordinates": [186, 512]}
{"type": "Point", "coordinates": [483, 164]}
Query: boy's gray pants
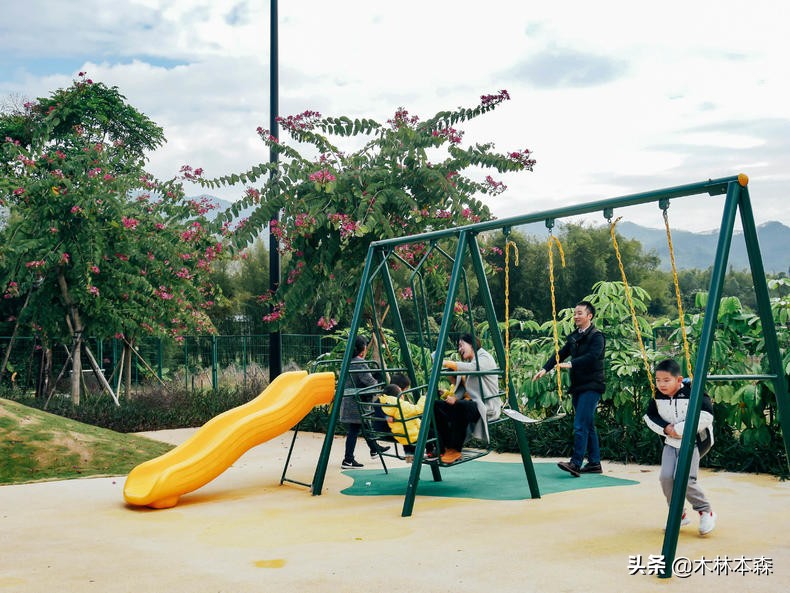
{"type": "Point", "coordinates": [669, 464]}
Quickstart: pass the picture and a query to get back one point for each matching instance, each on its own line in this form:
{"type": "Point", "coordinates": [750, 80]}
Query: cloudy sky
{"type": "Point", "coordinates": [613, 97]}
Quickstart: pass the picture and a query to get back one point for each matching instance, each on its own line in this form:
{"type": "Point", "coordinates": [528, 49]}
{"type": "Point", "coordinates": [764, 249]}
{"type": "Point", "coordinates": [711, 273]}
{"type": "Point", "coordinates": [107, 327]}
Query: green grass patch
{"type": "Point", "coordinates": [38, 446]}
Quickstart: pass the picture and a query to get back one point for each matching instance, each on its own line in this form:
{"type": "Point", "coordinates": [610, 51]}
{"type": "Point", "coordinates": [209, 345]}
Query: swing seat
{"type": "Point", "coordinates": [519, 417]}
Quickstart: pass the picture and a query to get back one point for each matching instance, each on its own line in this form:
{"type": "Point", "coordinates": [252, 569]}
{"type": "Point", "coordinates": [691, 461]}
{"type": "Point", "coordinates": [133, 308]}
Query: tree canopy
{"type": "Point", "coordinates": [92, 242]}
{"type": "Point", "coordinates": [408, 177]}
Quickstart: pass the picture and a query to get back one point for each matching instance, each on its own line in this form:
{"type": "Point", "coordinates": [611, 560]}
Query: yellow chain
{"type": "Point", "coordinates": [552, 241]}
{"type": "Point", "coordinates": [677, 296]}
{"type": "Point", "coordinates": [508, 245]}
{"type": "Point", "coordinates": [631, 306]}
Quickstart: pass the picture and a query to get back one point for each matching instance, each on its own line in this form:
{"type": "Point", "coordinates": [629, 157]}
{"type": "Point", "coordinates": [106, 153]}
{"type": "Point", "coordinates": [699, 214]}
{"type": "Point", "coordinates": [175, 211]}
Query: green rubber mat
{"type": "Point", "coordinates": [476, 479]}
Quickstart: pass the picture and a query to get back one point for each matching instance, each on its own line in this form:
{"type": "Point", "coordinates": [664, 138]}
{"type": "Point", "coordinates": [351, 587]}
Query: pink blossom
{"type": "Point", "coordinates": [94, 290]}
{"type": "Point", "coordinates": [130, 223]}
{"type": "Point", "coordinates": [493, 100]}
{"type": "Point", "coordinates": [322, 177]}
{"type": "Point", "coordinates": [524, 158]}
{"type": "Point", "coordinates": [94, 269]}
{"type": "Point", "coordinates": [94, 172]}
{"type": "Point", "coordinates": [65, 258]}
{"type": "Point", "coordinates": [326, 323]}
{"type": "Point", "coordinates": [36, 263]}
{"type": "Point", "coordinates": [108, 177]}
{"type": "Point", "coordinates": [406, 293]}
{"type": "Point", "coordinates": [76, 209]}
{"type": "Point", "coordinates": [303, 121]}
{"type": "Point", "coordinates": [162, 293]}
{"type": "Point", "coordinates": [402, 118]}
{"type": "Point", "coordinates": [19, 191]}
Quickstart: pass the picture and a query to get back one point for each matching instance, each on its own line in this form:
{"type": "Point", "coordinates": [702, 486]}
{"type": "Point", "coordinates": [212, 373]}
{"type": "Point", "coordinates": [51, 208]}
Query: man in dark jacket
{"type": "Point", "coordinates": [584, 350]}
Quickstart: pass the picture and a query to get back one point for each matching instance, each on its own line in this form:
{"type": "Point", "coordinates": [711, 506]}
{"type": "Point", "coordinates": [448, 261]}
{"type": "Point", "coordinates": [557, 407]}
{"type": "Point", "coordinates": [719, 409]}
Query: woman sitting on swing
{"type": "Point", "coordinates": [467, 410]}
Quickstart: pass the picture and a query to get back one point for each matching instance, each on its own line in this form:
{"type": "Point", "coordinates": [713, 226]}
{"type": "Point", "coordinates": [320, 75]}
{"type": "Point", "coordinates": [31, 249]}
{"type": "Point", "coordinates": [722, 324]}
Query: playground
{"type": "Point", "coordinates": [244, 532]}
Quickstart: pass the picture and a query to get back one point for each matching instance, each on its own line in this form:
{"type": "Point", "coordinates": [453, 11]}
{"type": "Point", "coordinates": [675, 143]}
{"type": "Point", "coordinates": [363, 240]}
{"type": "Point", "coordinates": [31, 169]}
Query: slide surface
{"type": "Point", "coordinates": [159, 482]}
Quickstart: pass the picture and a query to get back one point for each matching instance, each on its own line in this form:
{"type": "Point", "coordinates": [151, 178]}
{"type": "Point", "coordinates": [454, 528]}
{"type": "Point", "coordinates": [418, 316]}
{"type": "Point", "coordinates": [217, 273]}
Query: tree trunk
{"type": "Point", "coordinates": [75, 323]}
{"type": "Point", "coordinates": [44, 372]}
{"type": "Point", "coordinates": [76, 373]}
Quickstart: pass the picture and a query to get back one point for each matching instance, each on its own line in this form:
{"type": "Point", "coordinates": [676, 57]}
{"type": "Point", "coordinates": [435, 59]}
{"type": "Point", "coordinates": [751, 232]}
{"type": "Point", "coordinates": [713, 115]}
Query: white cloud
{"type": "Point", "coordinates": [614, 97]}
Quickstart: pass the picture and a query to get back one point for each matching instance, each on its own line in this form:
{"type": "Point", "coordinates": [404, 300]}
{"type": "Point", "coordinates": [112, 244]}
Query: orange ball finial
{"type": "Point", "coordinates": [743, 179]}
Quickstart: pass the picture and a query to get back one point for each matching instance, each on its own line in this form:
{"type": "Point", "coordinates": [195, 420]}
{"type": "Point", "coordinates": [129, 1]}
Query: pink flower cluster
{"type": "Point", "coordinates": [460, 308]}
{"type": "Point", "coordinates": [344, 222]}
{"type": "Point", "coordinates": [36, 263]}
{"type": "Point", "coordinates": [303, 121]}
{"type": "Point", "coordinates": [94, 290]}
{"type": "Point", "coordinates": [11, 291]}
{"type": "Point", "coordinates": [295, 272]}
{"type": "Point", "coordinates": [188, 173]}
{"type": "Point", "coordinates": [406, 293]}
{"type": "Point", "coordinates": [202, 206]}
{"type": "Point", "coordinates": [322, 177]}
{"type": "Point", "coordinates": [277, 312]}
{"type": "Point", "coordinates": [266, 135]}
{"type": "Point", "coordinates": [326, 323]}
{"type": "Point", "coordinates": [453, 135]}
{"type": "Point", "coordinates": [469, 215]}
{"type": "Point", "coordinates": [129, 223]}
{"type": "Point", "coordinates": [162, 293]}
{"type": "Point", "coordinates": [94, 172]}
{"type": "Point", "coordinates": [523, 157]}
{"type": "Point", "coordinates": [192, 233]}
{"type": "Point", "coordinates": [491, 100]}
{"type": "Point", "coordinates": [402, 118]}
{"type": "Point", "coordinates": [254, 194]}
{"type": "Point", "coordinates": [494, 187]}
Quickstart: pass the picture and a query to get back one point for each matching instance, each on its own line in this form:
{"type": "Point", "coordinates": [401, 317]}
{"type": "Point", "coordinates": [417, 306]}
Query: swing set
{"type": "Point", "coordinates": [400, 284]}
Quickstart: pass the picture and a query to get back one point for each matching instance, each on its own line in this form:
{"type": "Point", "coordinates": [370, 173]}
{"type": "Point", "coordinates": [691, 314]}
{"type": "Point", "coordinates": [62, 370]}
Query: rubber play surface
{"type": "Point", "coordinates": [479, 480]}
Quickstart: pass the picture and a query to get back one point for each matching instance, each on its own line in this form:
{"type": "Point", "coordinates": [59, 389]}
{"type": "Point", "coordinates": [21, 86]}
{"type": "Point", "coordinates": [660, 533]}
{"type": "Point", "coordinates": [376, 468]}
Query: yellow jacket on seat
{"type": "Point", "coordinates": [406, 423]}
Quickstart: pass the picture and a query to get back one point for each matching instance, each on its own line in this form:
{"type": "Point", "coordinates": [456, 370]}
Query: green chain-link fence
{"type": "Point", "coordinates": [199, 362]}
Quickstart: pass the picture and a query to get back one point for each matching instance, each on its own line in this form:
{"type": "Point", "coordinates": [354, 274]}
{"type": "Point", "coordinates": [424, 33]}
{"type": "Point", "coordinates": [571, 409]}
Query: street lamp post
{"type": "Point", "coordinates": [275, 341]}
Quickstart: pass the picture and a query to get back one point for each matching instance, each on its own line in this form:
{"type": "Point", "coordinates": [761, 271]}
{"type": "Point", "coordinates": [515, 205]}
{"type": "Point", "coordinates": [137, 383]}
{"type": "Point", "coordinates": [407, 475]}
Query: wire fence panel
{"type": "Point", "coordinates": [194, 362]}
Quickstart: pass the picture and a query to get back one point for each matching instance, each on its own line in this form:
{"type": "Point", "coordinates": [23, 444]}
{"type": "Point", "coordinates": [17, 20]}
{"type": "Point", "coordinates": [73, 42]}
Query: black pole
{"type": "Point", "coordinates": [275, 342]}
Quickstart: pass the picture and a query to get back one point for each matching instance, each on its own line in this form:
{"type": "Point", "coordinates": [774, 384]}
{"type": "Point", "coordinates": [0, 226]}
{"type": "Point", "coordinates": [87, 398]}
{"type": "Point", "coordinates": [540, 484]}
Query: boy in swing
{"type": "Point", "coordinates": [666, 416]}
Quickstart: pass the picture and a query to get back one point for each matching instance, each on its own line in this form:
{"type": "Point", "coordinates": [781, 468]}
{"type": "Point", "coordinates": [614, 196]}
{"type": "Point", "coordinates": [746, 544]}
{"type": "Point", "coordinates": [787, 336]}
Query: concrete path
{"type": "Point", "coordinates": [244, 533]}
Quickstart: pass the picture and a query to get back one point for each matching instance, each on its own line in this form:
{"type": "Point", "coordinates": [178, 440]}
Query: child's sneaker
{"type": "Point", "coordinates": [707, 522]}
{"type": "Point", "coordinates": [684, 519]}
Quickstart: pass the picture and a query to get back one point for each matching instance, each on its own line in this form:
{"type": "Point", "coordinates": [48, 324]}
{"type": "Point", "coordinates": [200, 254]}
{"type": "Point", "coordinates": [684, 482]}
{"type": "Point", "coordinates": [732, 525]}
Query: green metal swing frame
{"type": "Point", "coordinates": [735, 190]}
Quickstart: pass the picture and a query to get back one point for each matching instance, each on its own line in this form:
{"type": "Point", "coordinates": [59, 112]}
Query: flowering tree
{"type": "Point", "coordinates": [93, 244]}
{"type": "Point", "coordinates": [408, 177]}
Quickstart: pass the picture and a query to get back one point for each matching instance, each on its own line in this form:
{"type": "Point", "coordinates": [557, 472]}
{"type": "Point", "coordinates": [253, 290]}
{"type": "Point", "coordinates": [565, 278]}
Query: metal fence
{"type": "Point", "coordinates": [199, 362]}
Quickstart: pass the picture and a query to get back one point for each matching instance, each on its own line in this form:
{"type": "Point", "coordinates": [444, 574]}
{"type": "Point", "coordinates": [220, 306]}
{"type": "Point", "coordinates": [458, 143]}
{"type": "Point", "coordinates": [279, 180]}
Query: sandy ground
{"type": "Point", "coordinates": [245, 533]}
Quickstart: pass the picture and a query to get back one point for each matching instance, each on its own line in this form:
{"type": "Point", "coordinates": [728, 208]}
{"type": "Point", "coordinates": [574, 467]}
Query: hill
{"type": "Point", "coordinates": [697, 250]}
{"type": "Point", "coordinates": [38, 446]}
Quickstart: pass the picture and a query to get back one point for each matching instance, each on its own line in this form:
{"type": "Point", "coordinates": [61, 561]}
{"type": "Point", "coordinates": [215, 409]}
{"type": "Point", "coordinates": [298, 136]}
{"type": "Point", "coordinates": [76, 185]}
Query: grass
{"type": "Point", "coordinates": [38, 446]}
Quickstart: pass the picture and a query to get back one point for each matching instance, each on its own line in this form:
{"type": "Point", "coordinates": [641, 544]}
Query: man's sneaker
{"type": "Point", "coordinates": [591, 468]}
{"type": "Point", "coordinates": [570, 467]}
{"type": "Point", "coordinates": [375, 453]}
{"type": "Point", "coordinates": [350, 464]}
{"type": "Point", "coordinates": [707, 522]}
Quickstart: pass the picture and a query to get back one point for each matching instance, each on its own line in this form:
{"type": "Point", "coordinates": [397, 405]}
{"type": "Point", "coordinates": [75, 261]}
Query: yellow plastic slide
{"type": "Point", "coordinates": [159, 482]}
